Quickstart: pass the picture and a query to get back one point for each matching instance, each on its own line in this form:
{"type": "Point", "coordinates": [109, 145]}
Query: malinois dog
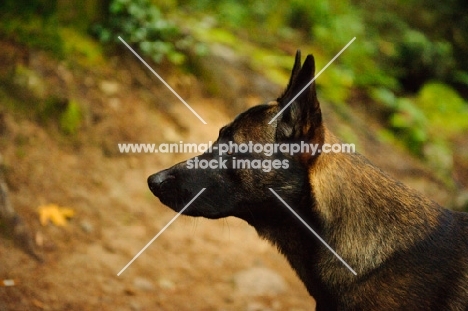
{"type": "Point", "coordinates": [409, 253]}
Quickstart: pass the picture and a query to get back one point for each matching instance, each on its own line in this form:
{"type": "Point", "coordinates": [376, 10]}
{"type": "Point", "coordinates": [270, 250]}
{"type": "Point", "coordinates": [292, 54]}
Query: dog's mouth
{"type": "Point", "coordinates": [167, 187]}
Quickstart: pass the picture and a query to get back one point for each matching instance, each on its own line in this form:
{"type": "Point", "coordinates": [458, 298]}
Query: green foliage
{"type": "Point", "coordinates": [31, 23]}
{"type": "Point", "coordinates": [141, 23]}
{"type": "Point", "coordinates": [81, 48]}
{"type": "Point", "coordinates": [417, 58]}
{"type": "Point", "coordinates": [410, 124]}
{"type": "Point", "coordinates": [234, 13]}
{"type": "Point", "coordinates": [26, 8]}
{"type": "Point", "coordinates": [445, 110]}
{"type": "Point", "coordinates": [33, 32]}
{"type": "Point", "coordinates": [243, 14]}
{"type": "Point", "coordinates": [66, 114]}
{"type": "Point", "coordinates": [407, 58]}
{"type": "Point", "coordinates": [425, 123]}
{"type": "Point", "coordinates": [398, 51]}
{"type": "Point", "coordinates": [408, 73]}
{"type": "Point", "coordinates": [385, 96]}
{"type": "Point", "coordinates": [27, 93]}
{"type": "Point", "coordinates": [70, 119]}
{"type": "Point", "coordinates": [304, 14]}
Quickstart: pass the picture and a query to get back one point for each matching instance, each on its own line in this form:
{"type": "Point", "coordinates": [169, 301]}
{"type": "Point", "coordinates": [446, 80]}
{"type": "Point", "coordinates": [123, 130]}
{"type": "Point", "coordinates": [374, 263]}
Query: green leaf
{"type": "Point", "coordinates": [70, 119]}
{"type": "Point", "coordinates": [446, 111]}
{"type": "Point", "coordinates": [384, 96]}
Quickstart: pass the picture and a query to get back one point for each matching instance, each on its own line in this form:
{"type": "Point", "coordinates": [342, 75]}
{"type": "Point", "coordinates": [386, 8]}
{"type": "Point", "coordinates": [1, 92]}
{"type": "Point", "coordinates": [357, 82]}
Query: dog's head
{"type": "Point", "coordinates": [232, 189]}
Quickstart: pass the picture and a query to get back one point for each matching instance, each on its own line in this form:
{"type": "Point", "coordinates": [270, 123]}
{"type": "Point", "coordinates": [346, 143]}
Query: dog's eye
{"type": "Point", "coordinates": [225, 132]}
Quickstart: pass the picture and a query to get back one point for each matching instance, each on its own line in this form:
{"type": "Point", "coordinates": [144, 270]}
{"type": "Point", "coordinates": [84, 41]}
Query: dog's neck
{"type": "Point", "coordinates": [358, 201]}
{"type": "Point", "coordinates": [357, 207]}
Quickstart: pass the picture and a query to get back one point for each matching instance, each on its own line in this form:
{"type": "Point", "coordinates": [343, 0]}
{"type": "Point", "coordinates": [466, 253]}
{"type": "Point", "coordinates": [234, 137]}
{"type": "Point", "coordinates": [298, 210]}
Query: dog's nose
{"type": "Point", "coordinates": [160, 182]}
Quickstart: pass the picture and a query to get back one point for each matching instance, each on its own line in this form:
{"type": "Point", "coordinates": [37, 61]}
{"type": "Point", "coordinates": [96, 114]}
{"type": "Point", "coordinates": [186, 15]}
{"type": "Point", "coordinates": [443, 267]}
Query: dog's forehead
{"type": "Point", "coordinates": [253, 124]}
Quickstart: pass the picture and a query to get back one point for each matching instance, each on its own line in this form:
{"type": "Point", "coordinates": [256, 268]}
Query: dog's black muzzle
{"type": "Point", "coordinates": [161, 183]}
{"type": "Point", "coordinates": [166, 187]}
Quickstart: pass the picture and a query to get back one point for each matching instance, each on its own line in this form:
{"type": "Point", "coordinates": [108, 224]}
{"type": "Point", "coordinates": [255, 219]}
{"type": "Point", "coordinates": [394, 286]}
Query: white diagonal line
{"type": "Point", "coordinates": [315, 233]}
{"type": "Point", "coordinates": [160, 232]}
{"type": "Point", "coordinates": [311, 81]}
{"type": "Point", "coordinates": [162, 80]}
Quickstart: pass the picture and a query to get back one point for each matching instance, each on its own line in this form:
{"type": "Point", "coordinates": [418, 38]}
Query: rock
{"type": "Point", "coordinates": [31, 80]}
{"type": "Point", "coordinates": [166, 284]}
{"type": "Point", "coordinates": [143, 284]}
{"type": "Point", "coordinates": [87, 226]}
{"type": "Point", "coordinates": [135, 306]}
{"type": "Point", "coordinates": [109, 88]}
{"type": "Point", "coordinates": [259, 281]}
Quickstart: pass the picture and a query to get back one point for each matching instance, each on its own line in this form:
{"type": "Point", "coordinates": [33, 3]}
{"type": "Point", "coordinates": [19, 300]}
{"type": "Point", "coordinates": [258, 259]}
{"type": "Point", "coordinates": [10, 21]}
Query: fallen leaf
{"type": "Point", "coordinates": [55, 214]}
{"type": "Point", "coordinates": [38, 304]}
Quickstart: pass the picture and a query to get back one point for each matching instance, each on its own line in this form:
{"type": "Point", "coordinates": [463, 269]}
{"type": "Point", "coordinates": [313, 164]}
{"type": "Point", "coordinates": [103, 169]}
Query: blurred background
{"type": "Point", "coordinates": [74, 210]}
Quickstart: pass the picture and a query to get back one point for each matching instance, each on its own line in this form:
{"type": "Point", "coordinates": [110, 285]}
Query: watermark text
{"type": "Point", "coordinates": [267, 149]}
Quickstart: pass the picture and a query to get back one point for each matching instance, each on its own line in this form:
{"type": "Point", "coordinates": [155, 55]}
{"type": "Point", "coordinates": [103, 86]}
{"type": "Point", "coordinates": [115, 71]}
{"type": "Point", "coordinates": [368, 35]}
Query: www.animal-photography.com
{"type": "Point", "coordinates": [226, 155]}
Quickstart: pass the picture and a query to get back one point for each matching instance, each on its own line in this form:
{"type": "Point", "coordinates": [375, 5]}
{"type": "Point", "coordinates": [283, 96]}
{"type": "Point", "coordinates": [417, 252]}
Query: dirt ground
{"type": "Point", "coordinates": [194, 264]}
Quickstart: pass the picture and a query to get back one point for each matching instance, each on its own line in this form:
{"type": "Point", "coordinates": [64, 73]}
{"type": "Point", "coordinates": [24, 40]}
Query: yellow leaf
{"type": "Point", "coordinates": [55, 214]}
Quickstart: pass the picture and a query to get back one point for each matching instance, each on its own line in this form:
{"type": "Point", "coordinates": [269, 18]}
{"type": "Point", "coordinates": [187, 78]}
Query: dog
{"type": "Point", "coordinates": [408, 252]}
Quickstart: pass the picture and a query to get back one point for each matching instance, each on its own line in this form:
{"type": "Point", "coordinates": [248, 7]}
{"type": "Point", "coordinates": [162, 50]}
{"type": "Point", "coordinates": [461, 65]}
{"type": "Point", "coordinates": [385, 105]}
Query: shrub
{"type": "Point", "coordinates": [141, 23]}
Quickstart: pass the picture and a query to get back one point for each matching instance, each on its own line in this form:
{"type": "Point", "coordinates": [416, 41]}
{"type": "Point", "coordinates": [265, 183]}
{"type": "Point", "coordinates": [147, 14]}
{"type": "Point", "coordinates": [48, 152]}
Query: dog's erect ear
{"type": "Point", "coordinates": [294, 73]}
{"type": "Point", "coordinates": [302, 120]}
